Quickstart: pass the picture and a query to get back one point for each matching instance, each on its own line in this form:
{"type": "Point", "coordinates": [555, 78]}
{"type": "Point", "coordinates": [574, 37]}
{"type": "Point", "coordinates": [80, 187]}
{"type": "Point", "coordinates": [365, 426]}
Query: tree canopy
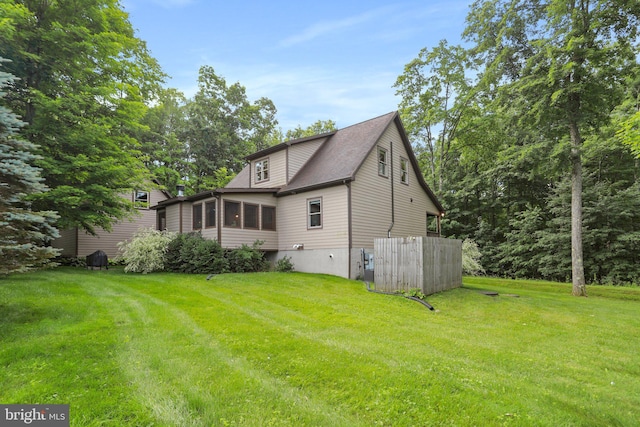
{"type": "Point", "coordinates": [538, 156]}
{"type": "Point", "coordinates": [83, 82]}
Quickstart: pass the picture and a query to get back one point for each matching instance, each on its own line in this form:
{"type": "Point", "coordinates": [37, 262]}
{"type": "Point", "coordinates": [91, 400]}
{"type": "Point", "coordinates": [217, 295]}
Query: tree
{"type": "Point", "coordinates": [83, 82]}
{"type": "Point", "coordinates": [435, 95]}
{"type": "Point", "coordinates": [564, 63]}
{"type": "Point", "coordinates": [317, 128]}
{"type": "Point", "coordinates": [24, 233]}
{"type": "Point", "coordinates": [223, 127]}
{"type": "Point", "coordinates": [163, 150]}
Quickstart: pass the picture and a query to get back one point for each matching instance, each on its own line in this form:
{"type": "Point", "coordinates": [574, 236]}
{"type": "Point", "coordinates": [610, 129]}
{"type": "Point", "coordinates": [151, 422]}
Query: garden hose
{"type": "Point", "coordinates": [421, 301]}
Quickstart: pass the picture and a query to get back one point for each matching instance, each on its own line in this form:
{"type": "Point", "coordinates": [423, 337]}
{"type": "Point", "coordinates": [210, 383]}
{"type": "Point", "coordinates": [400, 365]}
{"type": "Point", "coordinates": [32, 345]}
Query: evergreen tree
{"type": "Point", "coordinates": [24, 233]}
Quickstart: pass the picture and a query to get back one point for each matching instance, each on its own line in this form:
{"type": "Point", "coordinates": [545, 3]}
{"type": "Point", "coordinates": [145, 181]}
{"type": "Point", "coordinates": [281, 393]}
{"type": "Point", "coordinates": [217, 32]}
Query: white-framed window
{"type": "Point", "coordinates": [262, 170]}
{"type": "Point", "coordinates": [383, 155]}
{"type": "Point", "coordinates": [141, 199]}
{"type": "Point", "coordinates": [404, 171]}
{"type": "Point", "coordinates": [314, 213]}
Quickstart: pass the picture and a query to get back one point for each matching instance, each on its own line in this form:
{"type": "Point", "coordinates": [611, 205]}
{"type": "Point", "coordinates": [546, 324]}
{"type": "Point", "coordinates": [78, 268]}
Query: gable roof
{"type": "Point", "coordinates": [341, 156]}
{"type": "Point", "coordinates": [335, 162]}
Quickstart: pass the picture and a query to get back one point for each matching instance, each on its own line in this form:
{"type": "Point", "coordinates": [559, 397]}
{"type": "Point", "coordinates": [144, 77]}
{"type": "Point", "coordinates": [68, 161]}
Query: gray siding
{"type": "Point", "coordinates": [235, 237]}
{"type": "Point", "coordinates": [108, 241]}
{"type": "Point", "coordinates": [371, 197]}
{"type": "Point", "coordinates": [67, 241]}
{"type": "Point", "coordinates": [292, 220]}
{"type": "Point", "coordinates": [277, 171]}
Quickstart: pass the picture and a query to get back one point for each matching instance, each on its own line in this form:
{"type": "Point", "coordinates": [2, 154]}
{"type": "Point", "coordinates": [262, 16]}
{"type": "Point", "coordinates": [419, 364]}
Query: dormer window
{"type": "Point", "coordinates": [262, 170]}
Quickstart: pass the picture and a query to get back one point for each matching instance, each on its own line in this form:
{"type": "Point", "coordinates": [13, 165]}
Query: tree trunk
{"type": "Point", "coordinates": [577, 266]}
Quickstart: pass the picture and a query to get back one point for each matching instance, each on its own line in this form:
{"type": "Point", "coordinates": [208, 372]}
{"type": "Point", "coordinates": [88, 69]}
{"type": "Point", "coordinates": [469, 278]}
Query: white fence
{"type": "Point", "coordinates": [431, 264]}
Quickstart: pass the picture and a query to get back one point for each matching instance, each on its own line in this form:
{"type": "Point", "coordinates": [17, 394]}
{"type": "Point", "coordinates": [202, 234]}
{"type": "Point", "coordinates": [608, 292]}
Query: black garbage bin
{"type": "Point", "coordinates": [98, 259]}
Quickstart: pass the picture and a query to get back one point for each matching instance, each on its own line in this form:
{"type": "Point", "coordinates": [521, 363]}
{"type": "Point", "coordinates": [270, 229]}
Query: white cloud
{"type": "Point", "coordinates": [323, 28]}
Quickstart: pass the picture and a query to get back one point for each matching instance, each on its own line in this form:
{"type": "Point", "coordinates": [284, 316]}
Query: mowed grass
{"type": "Point", "coordinates": [312, 350]}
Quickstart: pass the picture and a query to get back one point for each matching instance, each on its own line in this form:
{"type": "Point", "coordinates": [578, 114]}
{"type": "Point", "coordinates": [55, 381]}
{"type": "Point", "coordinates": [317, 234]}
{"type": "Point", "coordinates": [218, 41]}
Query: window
{"type": "Point", "coordinates": [210, 214]}
{"type": "Point", "coordinates": [404, 171]}
{"type": "Point", "coordinates": [250, 216]}
{"type": "Point", "coordinates": [141, 199]}
{"type": "Point", "coordinates": [161, 219]}
{"type": "Point", "coordinates": [268, 218]}
{"type": "Point", "coordinates": [433, 225]}
{"type": "Point", "coordinates": [197, 216]}
{"type": "Point", "coordinates": [314, 213]}
{"type": "Point", "coordinates": [382, 162]}
{"type": "Point", "coordinates": [262, 170]}
{"type": "Point", "coordinates": [231, 214]}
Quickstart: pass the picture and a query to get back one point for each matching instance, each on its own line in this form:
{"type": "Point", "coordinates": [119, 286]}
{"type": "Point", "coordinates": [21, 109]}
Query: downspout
{"type": "Point", "coordinates": [349, 226]}
{"type": "Point", "coordinates": [393, 208]}
{"type": "Point", "coordinates": [219, 217]}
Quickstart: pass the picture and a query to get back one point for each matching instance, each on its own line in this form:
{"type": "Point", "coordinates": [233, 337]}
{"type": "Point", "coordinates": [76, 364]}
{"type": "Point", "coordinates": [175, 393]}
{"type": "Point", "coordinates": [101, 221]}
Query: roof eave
{"type": "Point", "coordinates": [287, 192]}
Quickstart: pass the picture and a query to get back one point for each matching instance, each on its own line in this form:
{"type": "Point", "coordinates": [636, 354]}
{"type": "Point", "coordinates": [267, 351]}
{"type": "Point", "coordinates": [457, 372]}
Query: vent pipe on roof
{"type": "Point", "coordinates": [180, 190]}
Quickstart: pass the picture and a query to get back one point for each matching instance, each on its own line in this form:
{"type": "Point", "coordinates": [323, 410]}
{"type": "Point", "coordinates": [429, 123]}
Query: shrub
{"type": "Point", "coordinates": [146, 250]}
{"type": "Point", "coordinates": [284, 264]}
{"type": "Point", "coordinates": [192, 253]}
{"type": "Point", "coordinates": [471, 258]}
{"type": "Point", "coordinates": [247, 259]}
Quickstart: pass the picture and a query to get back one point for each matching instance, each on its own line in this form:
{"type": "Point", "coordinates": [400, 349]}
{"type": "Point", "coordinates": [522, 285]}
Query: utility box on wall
{"type": "Point", "coordinates": [431, 264]}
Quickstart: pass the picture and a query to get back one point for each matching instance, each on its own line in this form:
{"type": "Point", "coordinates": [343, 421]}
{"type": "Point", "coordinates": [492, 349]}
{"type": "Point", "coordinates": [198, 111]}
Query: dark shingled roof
{"type": "Point", "coordinates": [338, 159]}
{"type": "Point", "coordinates": [341, 156]}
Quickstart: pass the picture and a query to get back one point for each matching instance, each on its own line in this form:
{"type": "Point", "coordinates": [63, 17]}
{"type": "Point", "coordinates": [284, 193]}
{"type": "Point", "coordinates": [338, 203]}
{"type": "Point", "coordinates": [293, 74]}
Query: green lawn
{"type": "Point", "coordinates": [300, 349]}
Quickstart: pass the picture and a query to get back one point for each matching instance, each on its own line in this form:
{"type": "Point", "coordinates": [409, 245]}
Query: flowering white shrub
{"type": "Point", "coordinates": [146, 250]}
{"type": "Point", "coordinates": [471, 258]}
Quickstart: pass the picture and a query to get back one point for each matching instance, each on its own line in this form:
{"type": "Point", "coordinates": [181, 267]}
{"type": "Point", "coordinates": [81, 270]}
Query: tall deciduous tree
{"type": "Point", "coordinates": [436, 93]}
{"type": "Point", "coordinates": [165, 154]}
{"type": "Point", "coordinates": [83, 81]}
{"type": "Point", "coordinates": [24, 233]}
{"type": "Point", "coordinates": [317, 128]}
{"type": "Point", "coordinates": [565, 60]}
{"type": "Point", "coordinates": [223, 127]}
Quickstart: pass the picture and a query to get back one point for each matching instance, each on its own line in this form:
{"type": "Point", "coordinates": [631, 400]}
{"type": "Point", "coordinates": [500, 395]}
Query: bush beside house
{"type": "Point", "coordinates": [152, 250]}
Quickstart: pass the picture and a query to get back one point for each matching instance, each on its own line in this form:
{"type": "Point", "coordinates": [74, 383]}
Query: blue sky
{"type": "Point", "coordinates": [316, 60]}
